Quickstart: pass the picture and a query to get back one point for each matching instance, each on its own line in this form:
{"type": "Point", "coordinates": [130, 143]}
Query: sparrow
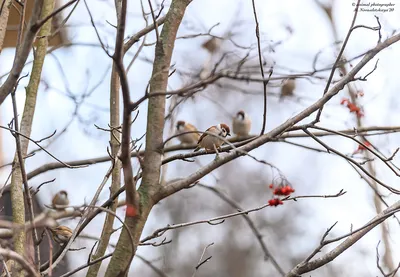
{"type": "Point", "coordinates": [182, 127]}
{"type": "Point", "coordinates": [210, 142]}
{"type": "Point", "coordinates": [60, 200]}
{"type": "Point", "coordinates": [287, 89]}
{"type": "Point", "coordinates": [61, 234]}
{"type": "Point", "coordinates": [212, 46]}
{"type": "Point", "coordinates": [241, 124]}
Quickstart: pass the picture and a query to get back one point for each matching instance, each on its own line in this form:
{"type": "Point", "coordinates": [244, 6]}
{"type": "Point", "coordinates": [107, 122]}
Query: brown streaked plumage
{"type": "Point", "coordinates": [209, 142]}
{"type": "Point", "coordinates": [60, 199]}
{"type": "Point", "coordinates": [241, 124]}
{"type": "Point", "coordinates": [61, 234]}
{"type": "Point", "coordinates": [182, 127]}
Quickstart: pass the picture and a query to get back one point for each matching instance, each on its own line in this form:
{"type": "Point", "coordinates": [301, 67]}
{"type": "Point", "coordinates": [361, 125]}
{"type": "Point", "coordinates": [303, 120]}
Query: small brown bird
{"type": "Point", "coordinates": [60, 200]}
{"type": "Point", "coordinates": [182, 127]}
{"type": "Point", "coordinates": [287, 89]}
{"type": "Point", "coordinates": [210, 142]}
{"type": "Point", "coordinates": [212, 45]}
{"type": "Point", "coordinates": [241, 124]}
{"type": "Point", "coordinates": [61, 234]}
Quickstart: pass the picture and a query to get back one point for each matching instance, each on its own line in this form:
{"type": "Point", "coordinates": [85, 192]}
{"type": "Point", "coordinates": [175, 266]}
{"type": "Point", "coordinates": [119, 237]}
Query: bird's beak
{"type": "Point", "coordinates": [229, 134]}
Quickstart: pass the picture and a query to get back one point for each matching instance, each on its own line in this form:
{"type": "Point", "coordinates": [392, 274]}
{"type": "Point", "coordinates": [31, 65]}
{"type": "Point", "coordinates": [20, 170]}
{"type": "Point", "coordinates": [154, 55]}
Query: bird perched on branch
{"type": "Point", "coordinates": [241, 124]}
{"type": "Point", "coordinates": [60, 200]}
{"type": "Point", "coordinates": [287, 89]}
{"type": "Point", "coordinates": [190, 138]}
{"type": "Point", "coordinates": [61, 234]}
{"type": "Point", "coordinates": [210, 142]}
{"type": "Point", "coordinates": [212, 46]}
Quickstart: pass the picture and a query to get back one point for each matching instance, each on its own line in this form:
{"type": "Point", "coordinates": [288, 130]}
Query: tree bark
{"type": "Point", "coordinates": [17, 195]}
{"type": "Point", "coordinates": [23, 51]}
{"type": "Point", "coordinates": [123, 254]}
{"type": "Point", "coordinates": [115, 177]}
{"type": "Point", "coordinates": [4, 13]}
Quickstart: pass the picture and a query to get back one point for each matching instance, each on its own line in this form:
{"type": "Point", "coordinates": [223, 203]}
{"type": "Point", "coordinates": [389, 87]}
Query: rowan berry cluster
{"type": "Point", "coordinates": [362, 147]}
{"type": "Point", "coordinates": [279, 191]}
{"type": "Point", "coordinates": [352, 107]}
{"type": "Point", "coordinates": [275, 202]}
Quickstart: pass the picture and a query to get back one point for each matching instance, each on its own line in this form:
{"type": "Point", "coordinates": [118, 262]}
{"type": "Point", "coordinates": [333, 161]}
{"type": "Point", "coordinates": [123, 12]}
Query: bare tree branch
{"type": "Point", "coordinates": [221, 219]}
{"type": "Point", "coordinates": [338, 58]}
{"type": "Point", "coordinates": [136, 215]}
{"type": "Point", "coordinates": [19, 259]}
{"type": "Point", "coordinates": [4, 12]}
{"type": "Point", "coordinates": [265, 83]}
{"type": "Point", "coordinates": [176, 186]}
{"type": "Point", "coordinates": [307, 266]}
{"type": "Point", "coordinates": [86, 162]}
{"type": "Point", "coordinates": [232, 203]}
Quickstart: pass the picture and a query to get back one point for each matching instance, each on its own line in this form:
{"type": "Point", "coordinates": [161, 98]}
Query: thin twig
{"type": "Point", "coordinates": [232, 203]}
{"type": "Point", "coordinates": [200, 263]}
{"type": "Point", "coordinates": [330, 149]}
{"type": "Point", "coordinates": [154, 20]}
{"type": "Point", "coordinates": [220, 219]}
{"type": "Point", "coordinates": [307, 265]}
{"type": "Point", "coordinates": [15, 132]}
{"type": "Point", "coordinates": [7, 253]}
{"type": "Point", "coordinates": [261, 67]}
{"type": "Point", "coordinates": [338, 58]}
{"type": "Point", "coordinates": [91, 161]}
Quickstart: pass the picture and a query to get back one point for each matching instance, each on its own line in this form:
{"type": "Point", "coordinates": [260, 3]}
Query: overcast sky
{"type": "Point", "coordinates": [309, 173]}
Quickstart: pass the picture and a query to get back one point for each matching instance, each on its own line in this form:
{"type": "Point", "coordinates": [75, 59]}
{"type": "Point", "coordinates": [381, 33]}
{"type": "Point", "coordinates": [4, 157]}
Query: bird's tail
{"type": "Point", "coordinates": [197, 149]}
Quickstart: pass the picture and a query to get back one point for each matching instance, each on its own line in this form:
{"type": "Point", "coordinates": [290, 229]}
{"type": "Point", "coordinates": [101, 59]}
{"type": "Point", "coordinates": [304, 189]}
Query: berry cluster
{"type": "Point", "coordinates": [275, 202]}
{"type": "Point", "coordinates": [362, 147]}
{"type": "Point", "coordinates": [352, 107]}
{"type": "Point", "coordinates": [279, 191]}
{"type": "Point", "coordinates": [286, 190]}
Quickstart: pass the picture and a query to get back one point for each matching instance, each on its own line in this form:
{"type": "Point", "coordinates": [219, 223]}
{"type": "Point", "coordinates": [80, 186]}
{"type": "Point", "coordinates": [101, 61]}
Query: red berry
{"type": "Point", "coordinates": [131, 210]}
{"type": "Point", "coordinates": [275, 202]}
{"type": "Point", "coordinates": [361, 147]}
{"type": "Point", "coordinates": [344, 101]}
{"type": "Point", "coordinates": [278, 191]}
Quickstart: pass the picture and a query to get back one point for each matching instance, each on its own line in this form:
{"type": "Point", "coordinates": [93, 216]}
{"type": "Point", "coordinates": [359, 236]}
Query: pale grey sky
{"type": "Point", "coordinates": [308, 172]}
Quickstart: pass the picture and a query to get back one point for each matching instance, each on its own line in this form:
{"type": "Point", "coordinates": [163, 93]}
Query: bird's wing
{"type": "Point", "coordinates": [201, 138]}
{"type": "Point", "coordinates": [191, 127]}
{"type": "Point", "coordinates": [205, 133]}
